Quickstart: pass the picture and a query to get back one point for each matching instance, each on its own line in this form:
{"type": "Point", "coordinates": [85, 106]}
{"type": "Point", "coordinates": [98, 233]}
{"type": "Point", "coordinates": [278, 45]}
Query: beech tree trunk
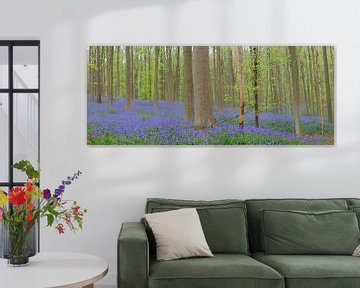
{"type": "Point", "coordinates": [238, 58]}
{"type": "Point", "coordinates": [255, 55]}
{"type": "Point", "coordinates": [129, 80]}
{"type": "Point", "coordinates": [98, 75]}
{"type": "Point", "coordinates": [156, 76]}
{"type": "Point", "coordinates": [296, 88]}
{"type": "Point", "coordinates": [110, 74]}
{"type": "Point", "coordinates": [318, 87]}
{"type": "Point", "coordinates": [177, 76]}
{"type": "Point", "coordinates": [231, 77]}
{"type": "Point", "coordinates": [201, 74]}
{"type": "Point", "coordinates": [169, 82]}
{"type": "Point", "coordinates": [118, 71]}
{"type": "Point", "coordinates": [327, 88]}
{"type": "Point", "coordinates": [219, 84]}
{"type": "Point", "coordinates": [188, 85]}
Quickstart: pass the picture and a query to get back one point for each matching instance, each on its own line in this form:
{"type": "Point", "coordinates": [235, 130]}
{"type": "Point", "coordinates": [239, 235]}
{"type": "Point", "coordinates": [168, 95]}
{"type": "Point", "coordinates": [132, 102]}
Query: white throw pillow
{"type": "Point", "coordinates": [357, 251]}
{"type": "Point", "coordinates": [178, 234]}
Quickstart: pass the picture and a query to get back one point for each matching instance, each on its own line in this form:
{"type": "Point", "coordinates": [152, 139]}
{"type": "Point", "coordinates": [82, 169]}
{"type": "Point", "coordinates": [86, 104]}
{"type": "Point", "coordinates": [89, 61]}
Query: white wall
{"type": "Point", "coordinates": [117, 180]}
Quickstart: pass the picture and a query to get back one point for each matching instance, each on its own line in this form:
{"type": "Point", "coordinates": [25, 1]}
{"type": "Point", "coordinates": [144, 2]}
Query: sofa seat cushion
{"type": "Point", "coordinates": [313, 271]}
{"type": "Point", "coordinates": [222, 270]}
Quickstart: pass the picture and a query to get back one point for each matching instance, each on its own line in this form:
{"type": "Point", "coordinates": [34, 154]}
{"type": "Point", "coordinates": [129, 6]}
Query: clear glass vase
{"type": "Point", "coordinates": [18, 242]}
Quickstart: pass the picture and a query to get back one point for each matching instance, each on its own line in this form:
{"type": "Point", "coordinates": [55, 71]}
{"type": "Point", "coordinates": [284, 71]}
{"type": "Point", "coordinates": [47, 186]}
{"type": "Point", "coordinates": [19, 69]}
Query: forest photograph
{"type": "Point", "coordinates": [210, 95]}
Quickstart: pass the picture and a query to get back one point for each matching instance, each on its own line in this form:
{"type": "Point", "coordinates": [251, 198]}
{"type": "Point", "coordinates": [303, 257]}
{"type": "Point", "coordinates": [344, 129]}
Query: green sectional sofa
{"type": "Point", "coordinates": [238, 234]}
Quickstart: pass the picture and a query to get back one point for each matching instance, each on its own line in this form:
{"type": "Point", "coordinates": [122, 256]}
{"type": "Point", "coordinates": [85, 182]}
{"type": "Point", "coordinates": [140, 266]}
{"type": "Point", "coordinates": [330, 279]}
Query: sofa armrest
{"type": "Point", "coordinates": [133, 256]}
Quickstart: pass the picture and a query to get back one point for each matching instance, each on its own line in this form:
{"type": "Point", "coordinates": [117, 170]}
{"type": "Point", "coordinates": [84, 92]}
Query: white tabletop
{"type": "Point", "coordinates": [45, 270]}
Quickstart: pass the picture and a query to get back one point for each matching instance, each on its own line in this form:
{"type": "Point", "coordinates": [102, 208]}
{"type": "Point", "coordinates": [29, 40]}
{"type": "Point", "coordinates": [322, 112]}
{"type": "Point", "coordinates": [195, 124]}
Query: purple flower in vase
{"type": "Point", "coordinates": [46, 194]}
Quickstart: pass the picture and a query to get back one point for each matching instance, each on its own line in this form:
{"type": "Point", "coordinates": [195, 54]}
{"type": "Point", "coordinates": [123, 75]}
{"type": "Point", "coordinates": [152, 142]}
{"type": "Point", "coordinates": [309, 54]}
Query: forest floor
{"type": "Point", "coordinates": [164, 125]}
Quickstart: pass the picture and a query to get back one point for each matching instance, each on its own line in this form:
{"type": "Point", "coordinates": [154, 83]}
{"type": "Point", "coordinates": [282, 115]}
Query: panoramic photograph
{"type": "Point", "coordinates": [210, 95]}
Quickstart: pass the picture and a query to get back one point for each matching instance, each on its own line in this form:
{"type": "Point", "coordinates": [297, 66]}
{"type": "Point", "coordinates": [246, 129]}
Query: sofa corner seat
{"type": "Point", "coordinates": [305, 271]}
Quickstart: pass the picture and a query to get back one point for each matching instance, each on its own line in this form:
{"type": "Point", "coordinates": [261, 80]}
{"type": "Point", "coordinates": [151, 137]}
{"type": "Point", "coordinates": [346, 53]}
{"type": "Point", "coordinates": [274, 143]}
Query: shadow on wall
{"type": "Point", "coordinates": [172, 171]}
{"type": "Point", "coordinates": [181, 170]}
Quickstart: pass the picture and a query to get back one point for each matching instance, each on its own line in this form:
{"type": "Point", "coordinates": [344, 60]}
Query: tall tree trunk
{"type": "Point", "coordinates": [129, 80]}
{"type": "Point", "coordinates": [169, 81]}
{"type": "Point", "coordinates": [149, 76]}
{"type": "Point", "coordinates": [280, 86]}
{"type": "Point", "coordinates": [177, 76]}
{"type": "Point", "coordinates": [156, 76]}
{"type": "Point", "coordinates": [98, 75]}
{"type": "Point", "coordinates": [305, 87]}
{"type": "Point", "coordinates": [213, 79]}
{"type": "Point", "coordinates": [91, 71]}
{"type": "Point", "coordinates": [201, 74]}
{"type": "Point", "coordinates": [318, 86]}
{"type": "Point", "coordinates": [312, 82]}
{"type": "Point", "coordinates": [134, 65]}
{"type": "Point", "coordinates": [231, 77]}
{"type": "Point", "coordinates": [296, 88]}
{"type": "Point", "coordinates": [89, 83]}
{"type": "Point", "coordinates": [327, 87]}
{"type": "Point", "coordinates": [118, 71]}
{"type": "Point", "coordinates": [255, 54]}
{"type": "Point", "coordinates": [239, 67]}
{"type": "Point", "coordinates": [267, 85]}
{"type": "Point", "coordinates": [188, 85]}
{"type": "Point", "coordinates": [104, 70]}
{"type": "Point", "coordinates": [110, 74]}
{"type": "Point", "coordinates": [219, 84]}
{"type": "Point", "coordinates": [162, 73]}
{"type": "Point", "coordinates": [289, 88]}
{"type": "Point", "coordinates": [132, 86]}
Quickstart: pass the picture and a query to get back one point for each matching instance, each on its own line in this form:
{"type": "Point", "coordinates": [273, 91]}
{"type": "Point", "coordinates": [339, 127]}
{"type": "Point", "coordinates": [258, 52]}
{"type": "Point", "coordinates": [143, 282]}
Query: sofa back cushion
{"type": "Point", "coordinates": [223, 221]}
{"type": "Point", "coordinates": [353, 201]}
{"type": "Point", "coordinates": [354, 205]}
{"type": "Point", "coordinates": [255, 206]}
{"type": "Point", "coordinates": [297, 232]}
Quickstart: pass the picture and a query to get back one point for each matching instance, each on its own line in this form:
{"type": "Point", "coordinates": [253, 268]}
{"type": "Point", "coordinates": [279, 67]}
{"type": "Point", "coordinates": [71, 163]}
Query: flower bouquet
{"type": "Point", "coordinates": [21, 208]}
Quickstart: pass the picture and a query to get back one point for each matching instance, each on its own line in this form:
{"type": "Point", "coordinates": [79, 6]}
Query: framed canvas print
{"type": "Point", "coordinates": [210, 95]}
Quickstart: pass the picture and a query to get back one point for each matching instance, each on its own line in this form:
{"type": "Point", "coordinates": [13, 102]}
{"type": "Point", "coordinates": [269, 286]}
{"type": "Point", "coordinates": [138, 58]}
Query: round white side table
{"type": "Point", "coordinates": [54, 270]}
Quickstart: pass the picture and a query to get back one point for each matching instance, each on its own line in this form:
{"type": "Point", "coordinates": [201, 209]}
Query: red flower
{"type": "Point", "coordinates": [29, 217]}
{"type": "Point", "coordinates": [68, 219]}
{"type": "Point", "coordinates": [75, 209]}
{"type": "Point", "coordinates": [60, 228]}
{"type": "Point", "coordinates": [29, 206]}
{"type": "Point", "coordinates": [27, 196]}
{"type": "Point", "coordinates": [17, 196]}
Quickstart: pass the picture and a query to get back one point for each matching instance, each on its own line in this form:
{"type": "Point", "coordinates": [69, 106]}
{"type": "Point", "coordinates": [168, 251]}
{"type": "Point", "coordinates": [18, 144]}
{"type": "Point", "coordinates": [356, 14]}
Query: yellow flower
{"type": "Point", "coordinates": [3, 198]}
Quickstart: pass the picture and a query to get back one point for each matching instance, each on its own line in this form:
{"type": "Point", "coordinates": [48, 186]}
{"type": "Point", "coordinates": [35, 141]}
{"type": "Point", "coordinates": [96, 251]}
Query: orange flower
{"type": "Point", "coordinates": [27, 196]}
{"type": "Point", "coordinates": [29, 206]}
{"type": "Point", "coordinates": [29, 186]}
{"type": "Point", "coordinates": [29, 217]}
